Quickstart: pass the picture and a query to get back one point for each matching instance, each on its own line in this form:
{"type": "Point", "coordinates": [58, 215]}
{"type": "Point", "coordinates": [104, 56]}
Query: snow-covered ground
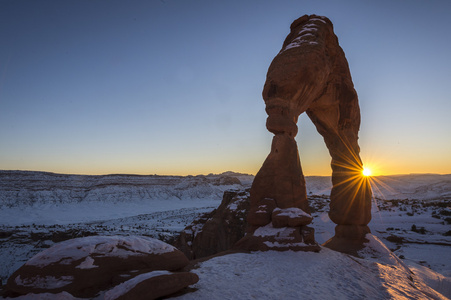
{"type": "Point", "coordinates": [415, 230]}
{"type": "Point", "coordinates": [45, 198]}
{"type": "Point", "coordinates": [304, 275]}
{"type": "Point", "coordinates": [38, 209]}
{"type": "Point", "coordinates": [411, 215]}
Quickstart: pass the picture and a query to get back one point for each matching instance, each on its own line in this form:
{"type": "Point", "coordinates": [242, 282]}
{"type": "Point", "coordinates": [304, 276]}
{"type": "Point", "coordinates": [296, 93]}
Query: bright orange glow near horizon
{"type": "Point", "coordinates": [312, 166]}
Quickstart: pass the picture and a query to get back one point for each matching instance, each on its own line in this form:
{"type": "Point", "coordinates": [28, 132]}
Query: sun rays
{"type": "Point", "coordinates": [355, 184]}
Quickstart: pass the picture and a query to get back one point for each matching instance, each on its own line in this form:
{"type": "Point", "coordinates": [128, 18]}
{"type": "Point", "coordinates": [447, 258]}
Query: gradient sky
{"type": "Point", "coordinates": [174, 86]}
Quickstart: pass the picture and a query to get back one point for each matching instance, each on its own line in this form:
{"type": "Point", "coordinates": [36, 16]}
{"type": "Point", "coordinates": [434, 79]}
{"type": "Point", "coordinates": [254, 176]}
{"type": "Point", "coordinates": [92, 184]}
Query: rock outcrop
{"type": "Point", "coordinates": [310, 74]}
{"type": "Point", "coordinates": [225, 227]}
{"type": "Point", "coordinates": [86, 266]}
{"type": "Point", "coordinates": [218, 230]}
{"type": "Point", "coordinates": [151, 285]}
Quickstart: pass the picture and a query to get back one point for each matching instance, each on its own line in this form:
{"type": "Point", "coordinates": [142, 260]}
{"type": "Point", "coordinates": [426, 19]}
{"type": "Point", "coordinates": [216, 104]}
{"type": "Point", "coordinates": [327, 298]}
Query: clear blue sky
{"type": "Point", "coordinates": [174, 86]}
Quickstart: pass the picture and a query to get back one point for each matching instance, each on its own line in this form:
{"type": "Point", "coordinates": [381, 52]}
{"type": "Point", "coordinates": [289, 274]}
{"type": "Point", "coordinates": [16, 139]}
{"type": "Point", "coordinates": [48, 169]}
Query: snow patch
{"type": "Point", "coordinates": [284, 245]}
{"type": "Point", "coordinates": [318, 19]}
{"type": "Point", "coordinates": [297, 42]}
{"type": "Point", "coordinates": [88, 263]}
{"type": "Point", "coordinates": [269, 230]}
{"type": "Point", "coordinates": [234, 206]}
{"type": "Point", "coordinates": [111, 246]}
{"type": "Point", "coordinates": [125, 287]}
{"type": "Point", "coordinates": [305, 36]}
{"type": "Point", "coordinates": [301, 275]}
{"type": "Point", "coordinates": [375, 250]}
{"type": "Point", "coordinates": [437, 281]}
{"type": "Point", "coordinates": [196, 229]}
{"type": "Point", "coordinates": [292, 212]}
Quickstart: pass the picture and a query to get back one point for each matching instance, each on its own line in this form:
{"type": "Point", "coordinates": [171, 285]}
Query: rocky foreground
{"type": "Point", "coordinates": [121, 267]}
{"type": "Point", "coordinates": [417, 231]}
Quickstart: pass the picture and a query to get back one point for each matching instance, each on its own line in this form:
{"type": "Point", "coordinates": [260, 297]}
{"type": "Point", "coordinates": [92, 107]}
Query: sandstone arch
{"type": "Point", "coordinates": [311, 74]}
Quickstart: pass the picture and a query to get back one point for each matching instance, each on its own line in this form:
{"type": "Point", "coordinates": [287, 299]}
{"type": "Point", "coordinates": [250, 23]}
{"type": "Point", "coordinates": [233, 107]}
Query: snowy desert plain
{"type": "Point", "coordinates": [411, 216]}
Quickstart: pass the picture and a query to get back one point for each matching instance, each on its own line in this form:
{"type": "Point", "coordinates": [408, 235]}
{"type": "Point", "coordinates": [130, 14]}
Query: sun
{"type": "Point", "coordinates": [366, 172]}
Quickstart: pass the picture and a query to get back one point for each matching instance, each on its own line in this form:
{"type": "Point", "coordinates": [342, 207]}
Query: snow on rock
{"type": "Point", "coordinates": [284, 246]}
{"type": "Point", "coordinates": [152, 285]}
{"type": "Point", "coordinates": [292, 217]}
{"type": "Point", "coordinates": [304, 275]}
{"type": "Point", "coordinates": [437, 281]}
{"type": "Point", "coordinates": [269, 237]}
{"type": "Point", "coordinates": [218, 230]}
{"type": "Point", "coordinates": [89, 265]}
{"type": "Point", "coordinates": [307, 35]}
{"type": "Point", "coordinates": [107, 246]}
{"type": "Point", "coordinates": [125, 287]}
{"type": "Point", "coordinates": [291, 212]}
{"type": "Point", "coordinates": [238, 203]}
{"type": "Point", "coordinates": [25, 201]}
{"type": "Point", "coordinates": [270, 231]}
{"type": "Point", "coordinates": [377, 251]}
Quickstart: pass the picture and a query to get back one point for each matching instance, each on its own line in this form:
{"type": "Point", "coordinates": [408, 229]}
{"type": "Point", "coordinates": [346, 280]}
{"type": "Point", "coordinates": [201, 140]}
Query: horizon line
{"type": "Point", "coordinates": [188, 175]}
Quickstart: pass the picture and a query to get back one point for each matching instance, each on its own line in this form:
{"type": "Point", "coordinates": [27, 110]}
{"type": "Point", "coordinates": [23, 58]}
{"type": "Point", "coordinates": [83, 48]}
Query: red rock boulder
{"type": "Point", "coordinates": [151, 285]}
{"type": "Point", "coordinates": [85, 266]}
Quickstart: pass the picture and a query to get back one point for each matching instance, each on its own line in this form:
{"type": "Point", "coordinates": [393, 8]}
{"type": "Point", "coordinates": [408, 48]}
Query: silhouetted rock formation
{"type": "Point", "coordinates": [86, 266]}
{"type": "Point", "coordinates": [218, 230]}
{"type": "Point", "coordinates": [310, 74]}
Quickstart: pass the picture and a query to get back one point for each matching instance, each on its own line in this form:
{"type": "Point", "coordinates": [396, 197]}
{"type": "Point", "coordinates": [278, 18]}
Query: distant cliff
{"type": "Point", "coordinates": [29, 188]}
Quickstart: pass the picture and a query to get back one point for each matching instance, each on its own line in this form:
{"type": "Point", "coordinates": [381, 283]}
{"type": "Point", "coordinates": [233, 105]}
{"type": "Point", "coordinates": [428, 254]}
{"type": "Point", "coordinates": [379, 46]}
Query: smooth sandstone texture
{"type": "Point", "coordinates": [85, 266]}
{"type": "Point", "coordinates": [152, 287]}
{"type": "Point", "coordinates": [310, 74]}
